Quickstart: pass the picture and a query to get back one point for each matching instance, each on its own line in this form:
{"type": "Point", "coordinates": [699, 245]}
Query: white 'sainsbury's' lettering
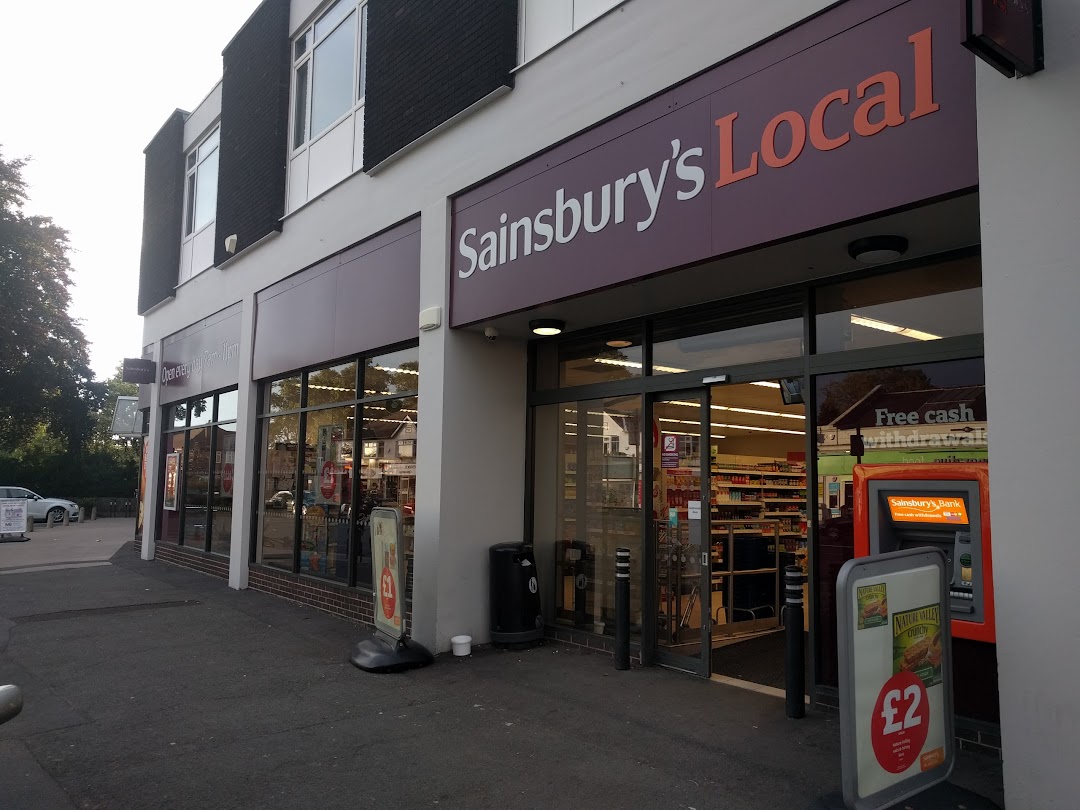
{"type": "Point", "coordinates": [592, 213]}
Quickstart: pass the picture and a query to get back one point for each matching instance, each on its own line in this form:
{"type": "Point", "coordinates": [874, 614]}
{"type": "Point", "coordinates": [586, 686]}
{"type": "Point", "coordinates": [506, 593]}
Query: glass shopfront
{"type": "Point", "coordinates": [685, 438]}
{"type": "Point", "coordinates": [199, 451]}
{"type": "Point", "coordinates": [336, 441]}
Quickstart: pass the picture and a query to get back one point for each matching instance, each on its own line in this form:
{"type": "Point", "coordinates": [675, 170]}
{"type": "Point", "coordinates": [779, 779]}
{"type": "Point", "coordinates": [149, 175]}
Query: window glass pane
{"type": "Point", "coordinates": [277, 491]}
{"type": "Point", "coordinates": [363, 53]}
{"type": "Point", "coordinates": [330, 18]}
{"type": "Point", "coordinates": [911, 306]}
{"type": "Point", "coordinates": [285, 394]}
{"type": "Point", "coordinates": [677, 348]}
{"type": "Point", "coordinates": [327, 498]}
{"type": "Point", "coordinates": [191, 158]}
{"type": "Point", "coordinates": [332, 77]}
{"type": "Point", "coordinates": [202, 411]}
{"type": "Point", "coordinates": [393, 373]}
{"type": "Point", "coordinates": [189, 206]}
{"type": "Point", "coordinates": [300, 109]}
{"type": "Point", "coordinates": [179, 415]}
{"type": "Point", "coordinates": [615, 356]}
{"type": "Point", "coordinates": [170, 518]}
{"type": "Point", "coordinates": [196, 487]}
{"type": "Point", "coordinates": [301, 45]}
{"type": "Point", "coordinates": [210, 144]}
{"type": "Point", "coordinates": [949, 425]}
{"type": "Point", "coordinates": [333, 384]}
{"type": "Point", "coordinates": [222, 488]}
{"type": "Point", "coordinates": [588, 503]}
{"type": "Point", "coordinates": [388, 472]}
{"type": "Point", "coordinates": [226, 409]}
{"type": "Point", "coordinates": [206, 190]}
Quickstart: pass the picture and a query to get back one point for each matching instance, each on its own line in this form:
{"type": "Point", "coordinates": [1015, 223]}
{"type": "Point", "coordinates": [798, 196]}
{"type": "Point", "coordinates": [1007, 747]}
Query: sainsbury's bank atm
{"type": "Point", "coordinates": [943, 506]}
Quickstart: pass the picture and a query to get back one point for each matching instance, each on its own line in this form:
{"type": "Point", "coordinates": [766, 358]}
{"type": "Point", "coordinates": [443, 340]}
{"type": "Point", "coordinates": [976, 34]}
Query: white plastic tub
{"type": "Point", "coordinates": [462, 645]}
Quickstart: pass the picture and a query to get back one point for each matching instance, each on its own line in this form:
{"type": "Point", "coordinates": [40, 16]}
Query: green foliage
{"type": "Point", "coordinates": [45, 376]}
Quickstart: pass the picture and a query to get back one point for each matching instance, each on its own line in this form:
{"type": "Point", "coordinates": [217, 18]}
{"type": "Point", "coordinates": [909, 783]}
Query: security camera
{"type": "Point", "coordinates": [491, 333]}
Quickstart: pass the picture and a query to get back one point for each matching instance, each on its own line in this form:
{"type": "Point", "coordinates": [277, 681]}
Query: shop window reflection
{"type": "Point", "coordinates": [387, 475]}
{"type": "Point", "coordinates": [333, 384]}
{"type": "Point", "coordinates": [605, 358]}
{"type": "Point", "coordinates": [222, 488]}
{"type": "Point", "coordinates": [327, 493]}
{"type": "Point", "coordinates": [196, 487]}
{"type": "Point", "coordinates": [284, 395]}
{"type": "Point", "coordinates": [393, 373]}
{"type": "Point", "coordinates": [277, 491]}
{"type": "Point", "coordinates": [173, 482]}
{"type": "Point", "coordinates": [717, 344]}
{"type": "Point", "coordinates": [944, 409]}
{"type": "Point", "coordinates": [587, 504]}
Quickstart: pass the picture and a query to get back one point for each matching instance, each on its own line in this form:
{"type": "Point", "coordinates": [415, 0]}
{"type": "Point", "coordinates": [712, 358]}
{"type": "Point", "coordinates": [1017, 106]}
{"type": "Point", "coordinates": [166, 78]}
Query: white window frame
{"type": "Point", "coordinates": [307, 57]}
{"type": "Point", "coordinates": [525, 58]}
{"type": "Point", "coordinates": [191, 174]}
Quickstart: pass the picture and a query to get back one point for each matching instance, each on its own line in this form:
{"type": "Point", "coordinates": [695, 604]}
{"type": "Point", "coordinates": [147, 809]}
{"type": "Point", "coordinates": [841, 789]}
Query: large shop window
{"type": "Point", "coordinates": [199, 449]}
{"type": "Point", "coordinates": [336, 442]}
{"type": "Point", "coordinates": [911, 306]}
{"type": "Point", "coordinates": [943, 409]}
{"type": "Point", "coordinates": [588, 503]}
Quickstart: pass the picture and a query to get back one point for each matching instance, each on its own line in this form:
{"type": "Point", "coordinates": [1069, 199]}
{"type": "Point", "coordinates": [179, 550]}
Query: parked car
{"type": "Point", "coordinates": [40, 508]}
{"type": "Point", "coordinates": [281, 500]}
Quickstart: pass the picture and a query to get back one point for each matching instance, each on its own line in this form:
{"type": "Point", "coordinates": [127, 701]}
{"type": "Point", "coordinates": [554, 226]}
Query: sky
{"type": "Point", "coordinates": [85, 88]}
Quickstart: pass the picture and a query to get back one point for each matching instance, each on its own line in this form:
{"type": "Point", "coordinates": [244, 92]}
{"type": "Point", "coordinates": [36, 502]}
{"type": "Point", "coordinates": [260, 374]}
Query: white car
{"type": "Point", "coordinates": [50, 509]}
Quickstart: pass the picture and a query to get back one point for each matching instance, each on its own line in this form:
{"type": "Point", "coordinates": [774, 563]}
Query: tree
{"type": "Point", "coordinates": [45, 376]}
{"type": "Point", "coordinates": [840, 394]}
{"type": "Point", "coordinates": [111, 389]}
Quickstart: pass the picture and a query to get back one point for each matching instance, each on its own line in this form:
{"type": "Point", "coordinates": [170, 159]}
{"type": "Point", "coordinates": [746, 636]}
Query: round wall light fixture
{"type": "Point", "coordinates": [878, 249]}
{"type": "Point", "coordinates": [620, 344]}
{"type": "Point", "coordinates": [546, 327]}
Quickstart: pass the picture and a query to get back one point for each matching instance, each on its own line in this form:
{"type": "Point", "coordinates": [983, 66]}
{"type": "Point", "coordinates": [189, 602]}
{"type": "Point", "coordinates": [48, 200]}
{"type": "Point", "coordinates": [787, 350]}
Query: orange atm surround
{"type": "Point", "coordinates": [962, 471]}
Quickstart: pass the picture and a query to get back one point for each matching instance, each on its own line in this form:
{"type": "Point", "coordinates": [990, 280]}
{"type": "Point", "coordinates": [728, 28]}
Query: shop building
{"type": "Point", "coordinates": [491, 264]}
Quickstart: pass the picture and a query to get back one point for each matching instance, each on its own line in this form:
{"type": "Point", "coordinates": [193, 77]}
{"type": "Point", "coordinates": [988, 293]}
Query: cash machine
{"type": "Point", "coordinates": [944, 506]}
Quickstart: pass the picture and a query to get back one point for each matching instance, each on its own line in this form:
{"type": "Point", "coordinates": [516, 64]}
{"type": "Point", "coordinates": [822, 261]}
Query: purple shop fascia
{"type": "Point", "coordinates": [203, 357]}
{"type": "Point", "coordinates": [859, 111]}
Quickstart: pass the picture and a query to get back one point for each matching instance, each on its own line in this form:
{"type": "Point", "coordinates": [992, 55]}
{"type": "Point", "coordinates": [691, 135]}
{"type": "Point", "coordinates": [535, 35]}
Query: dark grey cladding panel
{"type": "Point", "coordinates": [361, 299]}
{"type": "Point", "coordinates": [429, 60]}
{"type": "Point", "coordinates": [254, 129]}
{"type": "Point", "coordinates": [202, 357]}
{"type": "Point", "coordinates": [163, 212]}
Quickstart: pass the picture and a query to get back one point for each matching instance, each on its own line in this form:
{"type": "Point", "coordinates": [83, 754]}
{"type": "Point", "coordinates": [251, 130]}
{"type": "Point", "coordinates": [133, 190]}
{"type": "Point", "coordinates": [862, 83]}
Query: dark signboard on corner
{"type": "Point", "coordinates": [1007, 34]}
{"type": "Point", "coordinates": [138, 370]}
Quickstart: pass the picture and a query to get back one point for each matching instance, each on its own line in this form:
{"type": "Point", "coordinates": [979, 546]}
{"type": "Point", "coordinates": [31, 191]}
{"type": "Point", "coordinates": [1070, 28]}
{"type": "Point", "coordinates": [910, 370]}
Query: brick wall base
{"type": "Point", "coordinates": [587, 641]}
{"type": "Point", "coordinates": [200, 561]}
{"type": "Point", "coordinates": [326, 596]}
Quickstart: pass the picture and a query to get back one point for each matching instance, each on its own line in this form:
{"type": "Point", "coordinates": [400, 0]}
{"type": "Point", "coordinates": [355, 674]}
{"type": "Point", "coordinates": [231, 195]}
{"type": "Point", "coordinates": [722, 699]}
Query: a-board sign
{"type": "Point", "coordinates": [12, 515]}
{"type": "Point", "coordinates": [388, 571]}
{"type": "Point", "coordinates": [896, 692]}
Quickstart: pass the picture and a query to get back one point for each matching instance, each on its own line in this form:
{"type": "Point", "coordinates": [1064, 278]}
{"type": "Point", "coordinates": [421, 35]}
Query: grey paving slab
{"type": "Point", "coordinates": [153, 686]}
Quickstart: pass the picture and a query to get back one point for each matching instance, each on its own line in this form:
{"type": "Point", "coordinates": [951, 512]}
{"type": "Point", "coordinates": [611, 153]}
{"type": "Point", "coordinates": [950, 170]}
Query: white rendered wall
{"type": "Point", "coordinates": [1029, 183]}
{"type": "Point", "coordinates": [470, 456]}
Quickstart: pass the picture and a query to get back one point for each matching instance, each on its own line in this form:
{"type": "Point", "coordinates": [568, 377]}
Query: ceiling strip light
{"type": "Point", "coordinates": [885, 326]}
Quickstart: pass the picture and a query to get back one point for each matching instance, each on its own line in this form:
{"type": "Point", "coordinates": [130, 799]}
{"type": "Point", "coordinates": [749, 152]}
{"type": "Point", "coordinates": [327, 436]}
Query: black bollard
{"type": "Point", "coordinates": [622, 608]}
{"type": "Point", "coordinates": [795, 657]}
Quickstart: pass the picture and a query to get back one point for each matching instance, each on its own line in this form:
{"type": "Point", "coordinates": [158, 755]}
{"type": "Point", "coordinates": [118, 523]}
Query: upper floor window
{"type": "Point", "coordinates": [328, 69]}
{"type": "Point", "coordinates": [200, 206]}
{"type": "Point", "coordinates": [545, 23]}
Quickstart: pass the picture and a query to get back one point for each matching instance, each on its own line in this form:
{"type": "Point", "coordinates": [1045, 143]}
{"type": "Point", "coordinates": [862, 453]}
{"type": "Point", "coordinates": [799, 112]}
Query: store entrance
{"type": "Point", "coordinates": [729, 512]}
{"type": "Point", "coordinates": [758, 508]}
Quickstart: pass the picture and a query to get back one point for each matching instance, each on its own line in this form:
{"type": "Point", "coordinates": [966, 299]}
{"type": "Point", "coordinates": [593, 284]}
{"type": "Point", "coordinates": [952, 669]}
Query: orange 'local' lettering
{"type": "Point", "coordinates": [880, 90]}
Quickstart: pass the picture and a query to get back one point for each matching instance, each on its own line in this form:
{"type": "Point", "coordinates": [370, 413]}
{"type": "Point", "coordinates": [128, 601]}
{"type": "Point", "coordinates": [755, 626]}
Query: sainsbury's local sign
{"type": "Point", "coordinates": [860, 110]}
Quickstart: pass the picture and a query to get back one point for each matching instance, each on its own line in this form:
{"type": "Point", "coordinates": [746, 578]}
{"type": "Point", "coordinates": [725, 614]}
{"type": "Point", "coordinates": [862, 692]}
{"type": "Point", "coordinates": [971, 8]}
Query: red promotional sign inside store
{"type": "Point", "coordinates": [327, 483]}
{"type": "Point", "coordinates": [388, 594]}
{"type": "Point", "coordinates": [227, 478]}
{"type": "Point", "coordinates": [900, 722]}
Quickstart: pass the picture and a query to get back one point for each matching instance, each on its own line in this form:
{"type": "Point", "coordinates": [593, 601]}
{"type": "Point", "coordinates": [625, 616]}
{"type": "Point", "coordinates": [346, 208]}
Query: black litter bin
{"type": "Point", "coordinates": [516, 617]}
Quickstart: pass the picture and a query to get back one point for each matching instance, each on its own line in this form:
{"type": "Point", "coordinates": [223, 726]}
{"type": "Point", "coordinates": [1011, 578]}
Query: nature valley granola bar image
{"type": "Point", "coordinates": [873, 606]}
{"type": "Point", "coordinates": [917, 643]}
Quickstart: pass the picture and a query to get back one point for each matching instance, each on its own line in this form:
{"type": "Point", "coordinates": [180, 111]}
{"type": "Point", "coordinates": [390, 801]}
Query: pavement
{"type": "Point", "coordinates": [148, 685]}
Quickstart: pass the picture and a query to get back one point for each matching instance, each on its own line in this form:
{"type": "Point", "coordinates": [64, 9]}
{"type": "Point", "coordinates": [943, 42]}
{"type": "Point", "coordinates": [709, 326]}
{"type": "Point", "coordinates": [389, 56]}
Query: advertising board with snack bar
{"type": "Point", "coordinates": [896, 712]}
